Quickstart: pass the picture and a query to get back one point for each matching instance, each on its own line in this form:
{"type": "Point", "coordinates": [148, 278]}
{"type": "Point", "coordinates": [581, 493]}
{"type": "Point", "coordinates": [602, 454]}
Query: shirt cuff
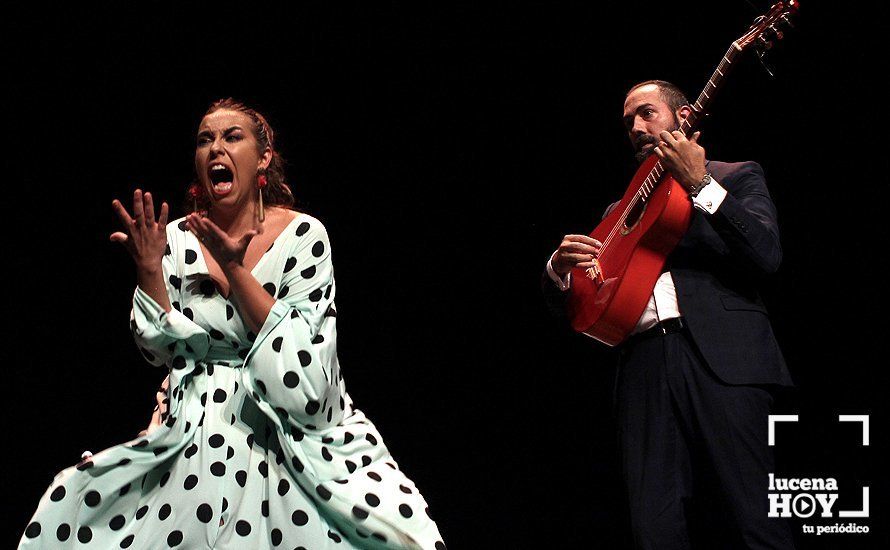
{"type": "Point", "coordinates": [710, 197]}
{"type": "Point", "coordinates": [562, 283]}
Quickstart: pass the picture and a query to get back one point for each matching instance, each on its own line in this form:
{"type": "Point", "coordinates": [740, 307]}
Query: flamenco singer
{"type": "Point", "coordinates": [696, 380]}
{"type": "Point", "coordinates": [255, 443]}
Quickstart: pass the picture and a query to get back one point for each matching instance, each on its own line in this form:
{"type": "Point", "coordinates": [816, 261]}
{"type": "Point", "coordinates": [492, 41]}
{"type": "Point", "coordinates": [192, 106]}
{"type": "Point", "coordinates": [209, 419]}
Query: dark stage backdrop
{"type": "Point", "coordinates": [447, 149]}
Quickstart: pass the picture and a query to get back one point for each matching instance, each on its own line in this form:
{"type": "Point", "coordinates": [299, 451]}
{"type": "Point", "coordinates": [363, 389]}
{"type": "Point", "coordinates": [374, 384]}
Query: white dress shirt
{"type": "Point", "coordinates": [663, 302]}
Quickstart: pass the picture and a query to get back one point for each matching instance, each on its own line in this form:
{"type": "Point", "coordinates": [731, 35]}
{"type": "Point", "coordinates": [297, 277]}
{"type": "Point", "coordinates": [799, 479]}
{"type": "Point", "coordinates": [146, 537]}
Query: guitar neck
{"type": "Point", "coordinates": [718, 77]}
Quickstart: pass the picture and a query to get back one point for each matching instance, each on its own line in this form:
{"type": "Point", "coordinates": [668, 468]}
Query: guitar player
{"type": "Point", "coordinates": [696, 378]}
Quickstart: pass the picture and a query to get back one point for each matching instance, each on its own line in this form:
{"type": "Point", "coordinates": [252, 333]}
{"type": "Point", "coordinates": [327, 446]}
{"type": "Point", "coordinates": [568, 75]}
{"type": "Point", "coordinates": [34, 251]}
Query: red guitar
{"type": "Point", "coordinates": [606, 301]}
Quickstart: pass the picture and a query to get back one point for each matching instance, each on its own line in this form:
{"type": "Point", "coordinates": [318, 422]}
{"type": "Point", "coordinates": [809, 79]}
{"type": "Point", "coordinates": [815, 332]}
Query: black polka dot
{"type": "Point", "coordinates": [63, 532]}
{"type": "Point", "coordinates": [323, 492]}
{"type": "Point", "coordinates": [140, 513]}
{"type": "Point", "coordinates": [270, 288]}
{"type": "Point", "coordinates": [175, 281]}
{"type": "Point", "coordinates": [207, 287]}
{"type": "Point", "coordinates": [308, 273]}
{"type": "Point", "coordinates": [261, 386]}
{"type": "Point", "coordinates": [326, 454]}
{"type": "Point", "coordinates": [191, 450]}
{"type": "Point", "coordinates": [230, 452]}
{"type": "Point", "coordinates": [440, 545]}
{"type": "Point", "coordinates": [218, 469]}
{"type": "Point", "coordinates": [33, 530]}
{"type": "Point", "coordinates": [124, 461]}
{"type": "Point", "coordinates": [117, 522]}
{"type": "Point", "coordinates": [124, 490]}
{"type": "Point", "coordinates": [84, 535]}
{"type": "Point", "coordinates": [298, 466]}
{"type": "Point", "coordinates": [189, 313]}
{"type": "Point", "coordinates": [405, 510]}
{"type": "Point", "coordinates": [174, 538]}
{"type": "Point", "coordinates": [190, 256]}
{"type": "Point", "coordinates": [290, 264]}
{"type": "Point", "coordinates": [318, 249]}
{"type": "Point", "coordinates": [92, 499]}
{"type": "Point", "coordinates": [204, 513]}
{"type": "Point", "coordinates": [299, 518]}
{"type": "Point", "coordinates": [128, 540]}
{"type": "Point", "coordinates": [366, 460]}
{"type": "Point", "coordinates": [371, 439]}
{"type": "Point", "coordinates": [375, 476]}
{"type": "Point", "coordinates": [230, 312]}
{"type": "Point", "coordinates": [359, 512]}
{"type": "Point", "coordinates": [216, 335]}
{"type": "Point", "coordinates": [379, 536]}
{"type": "Point", "coordinates": [242, 528]}
{"type": "Point", "coordinates": [164, 512]}
{"type": "Point", "coordinates": [57, 494]}
{"type": "Point", "coordinates": [276, 537]}
{"type": "Point", "coordinates": [318, 339]}
{"type": "Point", "coordinates": [312, 407]}
{"type": "Point", "coordinates": [291, 379]}
{"type": "Point", "coordinates": [351, 466]}
{"type": "Point", "coordinates": [241, 477]}
{"type": "Point", "coordinates": [334, 536]}
{"type": "Point", "coordinates": [219, 396]}
{"type": "Point", "coordinates": [165, 477]}
{"type": "Point", "coordinates": [225, 504]}
{"type": "Point", "coordinates": [167, 250]}
{"type": "Point", "coordinates": [283, 292]}
{"type": "Point", "coordinates": [372, 500]}
{"type": "Point", "coordinates": [263, 468]}
{"type": "Point", "coordinates": [87, 464]}
{"type": "Point", "coordinates": [160, 450]}
{"type": "Point", "coordinates": [216, 441]}
{"type": "Point", "coordinates": [315, 295]}
{"type": "Point", "coordinates": [347, 437]}
{"type": "Point", "coordinates": [283, 487]}
{"type": "Point", "coordinates": [182, 226]}
{"type": "Point", "coordinates": [190, 482]}
{"type": "Point", "coordinates": [264, 508]}
{"type": "Point", "coordinates": [302, 229]}
{"type": "Point", "coordinates": [276, 344]}
{"type": "Point", "coordinates": [327, 291]}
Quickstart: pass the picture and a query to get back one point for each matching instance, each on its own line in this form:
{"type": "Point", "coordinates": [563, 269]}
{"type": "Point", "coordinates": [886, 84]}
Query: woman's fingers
{"type": "Point", "coordinates": [138, 211]}
{"type": "Point", "coordinates": [149, 208]}
{"type": "Point", "coordinates": [162, 220]}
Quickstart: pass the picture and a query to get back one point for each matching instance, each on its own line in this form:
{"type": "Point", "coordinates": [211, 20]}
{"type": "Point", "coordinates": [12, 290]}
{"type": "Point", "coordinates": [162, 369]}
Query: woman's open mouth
{"type": "Point", "coordinates": [221, 179]}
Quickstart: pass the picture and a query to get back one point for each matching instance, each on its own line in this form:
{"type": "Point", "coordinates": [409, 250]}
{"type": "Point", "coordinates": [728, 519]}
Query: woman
{"type": "Point", "coordinates": [256, 443]}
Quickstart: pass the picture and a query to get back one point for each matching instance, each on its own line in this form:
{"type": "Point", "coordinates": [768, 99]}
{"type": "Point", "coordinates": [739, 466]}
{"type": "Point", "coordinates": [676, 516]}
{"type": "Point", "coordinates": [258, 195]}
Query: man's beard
{"type": "Point", "coordinates": [646, 139]}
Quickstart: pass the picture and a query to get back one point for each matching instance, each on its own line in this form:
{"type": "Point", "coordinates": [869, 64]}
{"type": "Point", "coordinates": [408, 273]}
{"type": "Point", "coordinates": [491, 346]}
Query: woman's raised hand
{"type": "Point", "coordinates": [144, 237]}
{"type": "Point", "coordinates": [224, 249]}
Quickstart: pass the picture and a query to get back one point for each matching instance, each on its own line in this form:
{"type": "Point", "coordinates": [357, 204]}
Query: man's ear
{"type": "Point", "coordinates": [683, 112]}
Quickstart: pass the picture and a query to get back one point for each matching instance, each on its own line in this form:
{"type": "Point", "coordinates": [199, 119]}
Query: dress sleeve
{"type": "Point", "coordinates": [164, 338]}
{"type": "Point", "coordinates": [291, 369]}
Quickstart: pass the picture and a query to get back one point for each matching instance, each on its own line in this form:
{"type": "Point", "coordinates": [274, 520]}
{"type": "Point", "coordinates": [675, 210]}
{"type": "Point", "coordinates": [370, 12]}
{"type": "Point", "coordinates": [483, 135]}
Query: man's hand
{"type": "Point", "coordinates": [683, 158]}
{"type": "Point", "coordinates": [575, 251]}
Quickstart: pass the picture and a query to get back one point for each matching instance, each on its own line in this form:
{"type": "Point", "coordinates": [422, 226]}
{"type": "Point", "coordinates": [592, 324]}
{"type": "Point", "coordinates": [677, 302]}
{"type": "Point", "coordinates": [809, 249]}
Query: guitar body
{"type": "Point", "coordinates": [606, 304]}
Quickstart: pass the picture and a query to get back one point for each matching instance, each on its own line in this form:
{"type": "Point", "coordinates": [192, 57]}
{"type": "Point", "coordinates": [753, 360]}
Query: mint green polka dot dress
{"type": "Point", "coordinates": [259, 445]}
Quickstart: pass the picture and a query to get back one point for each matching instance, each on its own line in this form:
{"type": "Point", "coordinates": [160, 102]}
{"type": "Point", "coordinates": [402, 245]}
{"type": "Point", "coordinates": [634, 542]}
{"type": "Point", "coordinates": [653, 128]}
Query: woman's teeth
{"type": "Point", "coordinates": [222, 188]}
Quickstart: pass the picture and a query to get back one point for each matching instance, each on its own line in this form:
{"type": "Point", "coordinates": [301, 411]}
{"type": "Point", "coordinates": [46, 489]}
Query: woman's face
{"type": "Point", "coordinates": [227, 159]}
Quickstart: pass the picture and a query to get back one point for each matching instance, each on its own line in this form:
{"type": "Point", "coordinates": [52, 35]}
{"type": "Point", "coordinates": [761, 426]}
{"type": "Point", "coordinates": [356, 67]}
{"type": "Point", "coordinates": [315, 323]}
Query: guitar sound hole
{"type": "Point", "coordinates": [633, 217]}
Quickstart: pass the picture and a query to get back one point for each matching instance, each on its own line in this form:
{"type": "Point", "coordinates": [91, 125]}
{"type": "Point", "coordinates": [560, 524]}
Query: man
{"type": "Point", "coordinates": [694, 382]}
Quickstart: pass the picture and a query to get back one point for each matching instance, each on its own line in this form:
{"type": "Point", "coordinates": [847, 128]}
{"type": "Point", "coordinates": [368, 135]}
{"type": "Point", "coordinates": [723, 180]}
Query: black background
{"type": "Point", "coordinates": [447, 149]}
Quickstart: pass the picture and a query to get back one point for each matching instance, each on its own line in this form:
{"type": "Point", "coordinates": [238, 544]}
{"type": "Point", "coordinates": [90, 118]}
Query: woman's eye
{"type": "Point", "coordinates": [203, 141]}
{"type": "Point", "coordinates": [233, 138]}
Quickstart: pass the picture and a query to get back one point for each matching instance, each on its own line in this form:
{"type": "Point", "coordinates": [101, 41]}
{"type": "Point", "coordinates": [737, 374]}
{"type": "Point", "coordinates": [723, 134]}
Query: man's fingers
{"type": "Point", "coordinates": [668, 138]}
{"type": "Point", "coordinates": [694, 137]}
{"type": "Point", "coordinates": [118, 237]}
{"type": "Point", "coordinates": [583, 239]}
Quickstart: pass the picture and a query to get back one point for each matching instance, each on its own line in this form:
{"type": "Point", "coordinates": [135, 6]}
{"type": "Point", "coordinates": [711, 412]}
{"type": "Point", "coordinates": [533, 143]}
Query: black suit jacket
{"type": "Point", "coordinates": [717, 268]}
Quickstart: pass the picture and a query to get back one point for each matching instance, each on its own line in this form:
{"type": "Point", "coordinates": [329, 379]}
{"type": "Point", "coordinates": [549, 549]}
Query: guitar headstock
{"type": "Point", "coordinates": [769, 27]}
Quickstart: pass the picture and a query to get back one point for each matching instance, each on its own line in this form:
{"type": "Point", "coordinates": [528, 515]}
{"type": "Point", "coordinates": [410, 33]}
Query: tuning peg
{"type": "Point", "coordinates": [787, 20]}
{"type": "Point", "coordinates": [761, 56]}
{"type": "Point", "coordinates": [776, 32]}
{"type": "Point", "coordinates": [764, 43]}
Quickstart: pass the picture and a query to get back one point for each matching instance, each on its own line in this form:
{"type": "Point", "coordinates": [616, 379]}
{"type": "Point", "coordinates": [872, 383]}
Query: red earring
{"type": "Point", "coordinates": [261, 182]}
{"type": "Point", "coordinates": [195, 191]}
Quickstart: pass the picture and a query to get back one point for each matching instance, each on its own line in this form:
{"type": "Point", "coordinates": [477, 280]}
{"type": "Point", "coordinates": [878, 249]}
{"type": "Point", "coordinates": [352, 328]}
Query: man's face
{"type": "Point", "coordinates": [646, 115]}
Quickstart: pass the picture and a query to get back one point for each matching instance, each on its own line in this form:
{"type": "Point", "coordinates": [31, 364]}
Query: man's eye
{"type": "Point", "coordinates": [648, 112]}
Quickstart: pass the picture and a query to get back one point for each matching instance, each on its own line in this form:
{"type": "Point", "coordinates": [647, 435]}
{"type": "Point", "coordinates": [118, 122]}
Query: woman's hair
{"type": "Point", "coordinates": [276, 192]}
